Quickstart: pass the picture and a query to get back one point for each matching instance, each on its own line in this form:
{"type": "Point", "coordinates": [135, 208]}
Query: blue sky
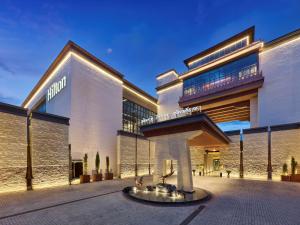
{"type": "Point", "coordinates": [139, 38]}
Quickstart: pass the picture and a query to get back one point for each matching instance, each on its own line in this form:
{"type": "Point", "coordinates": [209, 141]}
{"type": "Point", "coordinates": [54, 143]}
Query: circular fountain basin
{"type": "Point", "coordinates": [157, 197]}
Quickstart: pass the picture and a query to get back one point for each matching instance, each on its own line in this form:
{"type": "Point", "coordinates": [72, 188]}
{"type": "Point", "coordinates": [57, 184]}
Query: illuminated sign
{"type": "Point", "coordinates": [178, 113]}
{"type": "Point", "coordinates": [56, 87]}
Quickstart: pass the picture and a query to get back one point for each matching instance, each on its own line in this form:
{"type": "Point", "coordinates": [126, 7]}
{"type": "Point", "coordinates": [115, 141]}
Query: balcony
{"type": "Point", "coordinates": [244, 80]}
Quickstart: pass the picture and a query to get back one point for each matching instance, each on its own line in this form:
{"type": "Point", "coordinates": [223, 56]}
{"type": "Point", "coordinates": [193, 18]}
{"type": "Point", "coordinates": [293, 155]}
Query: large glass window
{"type": "Point", "coordinates": [240, 69]}
{"type": "Point", "coordinates": [133, 115]}
{"type": "Point", "coordinates": [220, 53]}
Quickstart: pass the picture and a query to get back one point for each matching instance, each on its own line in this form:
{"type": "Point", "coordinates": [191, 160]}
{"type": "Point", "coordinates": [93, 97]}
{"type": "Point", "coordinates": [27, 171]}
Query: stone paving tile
{"type": "Point", "coordinates": [234, 201]}
{"type": "Point", "coordinates": [18, 202]}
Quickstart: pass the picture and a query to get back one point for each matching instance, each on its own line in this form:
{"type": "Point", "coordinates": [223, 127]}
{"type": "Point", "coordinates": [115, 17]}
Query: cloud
{"type": "Point", "coordinates": [109, 51]}
{"type": "Point", "coordinates": [6, 68]}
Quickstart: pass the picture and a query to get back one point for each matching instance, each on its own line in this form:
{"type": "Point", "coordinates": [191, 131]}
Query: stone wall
{"type": "Point", "coordinates": [13, 148]}
{"type": "Point", "coordinates": [48, 138]}
{"type": "Point", "coordinates": [50, 151]}
{"type": "Point", "coordinates": [285, 144]}
{"type": "Point", "coordinates": [126, 155]}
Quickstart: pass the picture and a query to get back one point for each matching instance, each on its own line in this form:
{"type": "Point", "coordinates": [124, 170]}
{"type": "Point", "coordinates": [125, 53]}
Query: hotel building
{"type": "Point", "coordinates": [240, 79]}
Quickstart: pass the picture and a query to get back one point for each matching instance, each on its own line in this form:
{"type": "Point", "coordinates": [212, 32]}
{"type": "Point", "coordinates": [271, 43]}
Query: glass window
{"type": "Point", "coordinates": [240, 69]}
{"type": "Point", "coordinates": [133, 115]}
{"type": "Point", "coordinates": [240, 44]}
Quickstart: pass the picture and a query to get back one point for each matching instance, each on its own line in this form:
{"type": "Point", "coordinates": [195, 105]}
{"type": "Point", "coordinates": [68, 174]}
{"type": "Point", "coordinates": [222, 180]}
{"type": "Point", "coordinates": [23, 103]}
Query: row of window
{"type": "Point", "coordinates": [218, 54]}
{"type": "Point", "coordinates": [240, 69]}
{"type": "Point", "coordinates": [133, 115]}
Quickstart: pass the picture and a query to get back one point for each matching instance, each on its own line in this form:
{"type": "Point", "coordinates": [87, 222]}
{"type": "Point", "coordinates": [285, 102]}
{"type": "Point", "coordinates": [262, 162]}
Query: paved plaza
{"type": "Point", "coordinates": [234, 201]}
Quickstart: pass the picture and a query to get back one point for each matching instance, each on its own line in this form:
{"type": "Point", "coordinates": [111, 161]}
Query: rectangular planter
{"type": "Point", "coordinates": [285, 178]}
{"type": "Point", "coordinates": [295, 178]}
{"type": "Point", "coordinates": [109, 176]}
{"type": "Point", "coordinates": [85, 179]}
{"type": "Point", "coordinates": [97, 177]}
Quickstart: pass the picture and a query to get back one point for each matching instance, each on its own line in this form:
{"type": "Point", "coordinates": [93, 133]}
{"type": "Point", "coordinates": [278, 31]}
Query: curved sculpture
{"type": "Point", "coordinates": [169, 174]}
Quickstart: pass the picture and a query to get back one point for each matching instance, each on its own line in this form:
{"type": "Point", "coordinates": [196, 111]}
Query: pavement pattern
{"type": "Point", "coordinates": [234, 202]}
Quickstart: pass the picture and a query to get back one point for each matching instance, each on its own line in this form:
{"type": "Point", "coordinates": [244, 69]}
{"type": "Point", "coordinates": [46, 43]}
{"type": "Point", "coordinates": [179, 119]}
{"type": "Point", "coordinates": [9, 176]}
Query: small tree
{"type": "Point", "coordinates": [85, 164]}
{"type": "Point", "coordinates": [294, 163]}
{"type": "Point", "coordinates": [285, 169]}
{"type": "Point", "coordinates": [107, 164]}
{"type": "Point", "coordinates": [97, 162]}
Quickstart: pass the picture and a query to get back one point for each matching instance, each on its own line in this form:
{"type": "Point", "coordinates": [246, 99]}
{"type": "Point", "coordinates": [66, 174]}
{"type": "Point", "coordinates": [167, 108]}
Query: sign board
{"type": "Point", "coordinates": [56, 87]}
{"type": "Point", "coordinates": [178, 113]}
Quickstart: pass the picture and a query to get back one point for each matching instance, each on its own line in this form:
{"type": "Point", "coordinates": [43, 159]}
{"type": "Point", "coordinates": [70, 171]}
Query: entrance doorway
{"type": "Point", "coordinates": [77, 168]}
{"type": "Point", "coordinates": [212, 164]}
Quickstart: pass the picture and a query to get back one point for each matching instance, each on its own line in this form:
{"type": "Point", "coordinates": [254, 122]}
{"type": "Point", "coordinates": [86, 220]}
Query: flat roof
{"type": "Point", "coordinates": [248, 32]}
{"type": "Point", "coordinates": [71, 46]}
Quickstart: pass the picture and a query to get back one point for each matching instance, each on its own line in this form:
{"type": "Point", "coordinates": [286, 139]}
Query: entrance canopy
{"type": "Point", "coordinates": [174, 137]}
{"type": "Point", "coordinates": [211, 134]}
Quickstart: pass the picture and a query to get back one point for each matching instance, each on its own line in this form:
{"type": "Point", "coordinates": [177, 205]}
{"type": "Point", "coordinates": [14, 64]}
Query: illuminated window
{"type": "Point", "coordinates": [240, 69]}
{"type": "Point", "coordinates": [133, 115]}
{"type": "Point", "coordinates": [218, 54]}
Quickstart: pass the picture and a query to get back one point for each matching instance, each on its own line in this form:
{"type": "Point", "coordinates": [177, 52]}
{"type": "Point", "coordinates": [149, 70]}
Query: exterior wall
{"type": "Point", "coordinates": [285, 144]}
{"type": "Point", "coordinates": [255, 156]}
{"type": "Point", "coordinates": [168, 99]}
{"type": "Point", "coordinates": [60, 104]}
{"type": "Point", "coordinates": [278, 99]}
{"type": "Point", "coordinates": [253, 113]}
{"type": "Point", "coordinates": [166, 78]}
{"type": "Point", "coordinates": [126, 155]}
{"type": "Point", "coordinates": [49, 152]}
{"type": "Point", "coordinates": [13, 152]}
{"type": "Point", "coordinates": [96, 115]}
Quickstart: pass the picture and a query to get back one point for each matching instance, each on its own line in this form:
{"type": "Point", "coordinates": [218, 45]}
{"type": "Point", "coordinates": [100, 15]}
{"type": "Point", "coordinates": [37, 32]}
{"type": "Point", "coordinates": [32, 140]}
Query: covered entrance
{"type": "Point", "coordinates": [173, 140]}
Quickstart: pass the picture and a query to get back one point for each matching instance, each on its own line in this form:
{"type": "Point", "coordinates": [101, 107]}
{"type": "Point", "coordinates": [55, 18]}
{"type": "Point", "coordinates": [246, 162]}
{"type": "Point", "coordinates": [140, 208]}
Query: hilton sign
{"type": "Point", "coordinates": [56, 87]}
{"type": "Point", "coordinates": [178, 113]}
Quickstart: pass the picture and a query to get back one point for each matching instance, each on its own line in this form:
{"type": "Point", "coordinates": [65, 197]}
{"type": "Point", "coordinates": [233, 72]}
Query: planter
{"type": "Point", "coordinates": [85, 179]}
{"type": "Point", "coordinates": [97, 177]}
{"type": "Point", "coordinates": [295, 178]}
{"type": "Point", "coordinates": [109, 176]}
{"type": "Point", "coordinates": [285, 178]}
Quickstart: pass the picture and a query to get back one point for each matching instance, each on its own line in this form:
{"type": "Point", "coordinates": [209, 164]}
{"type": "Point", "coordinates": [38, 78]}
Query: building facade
{"type": "Point", "coordinates": [96, 98]}
{"type": "Point", "coordinates": [239, 79]}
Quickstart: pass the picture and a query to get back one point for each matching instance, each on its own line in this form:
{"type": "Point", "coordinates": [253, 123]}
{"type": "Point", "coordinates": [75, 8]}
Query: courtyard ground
{"type": "Point", "coordinates": [234, 201]}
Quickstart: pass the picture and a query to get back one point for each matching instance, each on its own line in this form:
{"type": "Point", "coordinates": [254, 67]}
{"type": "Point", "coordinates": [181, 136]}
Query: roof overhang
{"type": "Point", "coordinates": [72, 49]}
{"type": "Point", "coordinates": [196, 122]}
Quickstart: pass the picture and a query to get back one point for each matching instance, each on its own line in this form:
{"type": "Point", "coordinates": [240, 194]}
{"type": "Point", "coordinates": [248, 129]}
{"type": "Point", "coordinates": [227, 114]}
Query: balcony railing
{"type": "Point", "coordinates": [245, 76]}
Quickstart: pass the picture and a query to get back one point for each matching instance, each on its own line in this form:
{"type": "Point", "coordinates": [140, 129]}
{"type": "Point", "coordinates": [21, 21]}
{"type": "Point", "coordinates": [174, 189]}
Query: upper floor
{"type": "Point", "coordinates": [228, 80]}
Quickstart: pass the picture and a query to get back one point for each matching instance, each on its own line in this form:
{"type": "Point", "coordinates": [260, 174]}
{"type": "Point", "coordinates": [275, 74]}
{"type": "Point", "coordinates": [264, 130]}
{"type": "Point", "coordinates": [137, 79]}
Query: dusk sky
{"type": "Point", "coordinates": [138, 38]}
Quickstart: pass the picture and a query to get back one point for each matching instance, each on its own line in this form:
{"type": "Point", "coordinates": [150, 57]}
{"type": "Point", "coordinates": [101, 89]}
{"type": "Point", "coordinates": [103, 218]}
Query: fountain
{"type": "Point", "coordinates": [163, 193]}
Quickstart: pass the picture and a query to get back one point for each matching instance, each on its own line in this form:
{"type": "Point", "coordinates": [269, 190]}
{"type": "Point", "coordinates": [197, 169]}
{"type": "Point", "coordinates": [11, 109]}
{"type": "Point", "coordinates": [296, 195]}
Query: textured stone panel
{"type": "Point", "coordinates": [126, 156]}
{"type": "Point", "coordinates": [285, 144]}
{"type": "Point", "coordinates": [13, 152]}
{"type": "Point", "coordinates": [50, 153]}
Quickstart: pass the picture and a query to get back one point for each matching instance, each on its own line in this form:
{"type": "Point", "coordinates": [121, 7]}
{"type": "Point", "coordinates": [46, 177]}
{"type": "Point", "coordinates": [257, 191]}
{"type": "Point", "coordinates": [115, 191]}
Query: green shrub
{"type": "Point", "coordinates": [97, 162]}
{"type": "Point", "coordinates": [85, 164]}
{"type": "Point", "coordinates": [107, 164]}
{"type": "Point", "coordinates": [285, 169]}
{"type": "Point", "coordinates": [294, 163]}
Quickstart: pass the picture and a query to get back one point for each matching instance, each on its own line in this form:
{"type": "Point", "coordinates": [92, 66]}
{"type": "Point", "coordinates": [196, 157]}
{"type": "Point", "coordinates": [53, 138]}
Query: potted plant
{"type": "Point", "coordinates": [285, 176]}
{"type": "Point", "coordinates": [294, 177]}
{"type": "Point", "coordinates": [97, 176]}
{"type": "Point", "coordinates": [108, 172]}
{"type": "Point", "coordinates": [228, 173]}
{"type": "Point", "coordinates": [85, 178]}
